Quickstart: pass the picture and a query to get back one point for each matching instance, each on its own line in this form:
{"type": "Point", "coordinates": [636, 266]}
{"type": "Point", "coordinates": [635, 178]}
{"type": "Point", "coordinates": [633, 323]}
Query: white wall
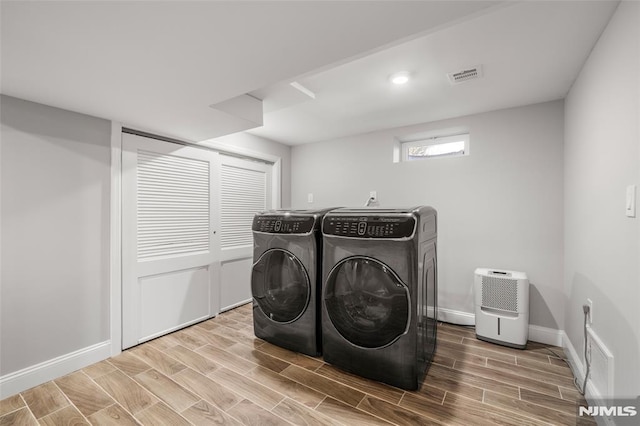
{"type": "Point", "coordinates": [55, 233]}
{"type": "Point", "coordinates": [602, 157]}
{"type": "Point", "coordinates": [499, 207]}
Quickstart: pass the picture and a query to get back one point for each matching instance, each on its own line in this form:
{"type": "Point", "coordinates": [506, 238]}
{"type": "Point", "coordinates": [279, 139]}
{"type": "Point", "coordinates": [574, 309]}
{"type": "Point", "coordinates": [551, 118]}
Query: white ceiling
{"type": "Point", "coordinates": [161, 66]}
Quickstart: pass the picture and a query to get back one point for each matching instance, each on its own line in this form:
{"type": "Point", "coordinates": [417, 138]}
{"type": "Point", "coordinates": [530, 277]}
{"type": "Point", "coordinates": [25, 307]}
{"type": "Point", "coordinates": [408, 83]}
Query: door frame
{"type": "Point", "coordinates": [115, 220]}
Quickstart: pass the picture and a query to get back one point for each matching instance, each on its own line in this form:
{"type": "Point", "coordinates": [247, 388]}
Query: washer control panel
{"type": "Point", "coordinates": [369, 226]}
{"type": "Point", "coordinates": [286, 224]}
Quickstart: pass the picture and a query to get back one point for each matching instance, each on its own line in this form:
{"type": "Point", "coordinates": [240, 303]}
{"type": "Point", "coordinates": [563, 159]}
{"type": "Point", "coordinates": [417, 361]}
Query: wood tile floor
{"type": "Point", "coordinates": [217, 372]}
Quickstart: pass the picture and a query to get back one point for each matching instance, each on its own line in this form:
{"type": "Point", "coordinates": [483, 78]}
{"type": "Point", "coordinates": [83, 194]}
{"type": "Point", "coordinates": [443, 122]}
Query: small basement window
{"type": "Point", "coordinates": [445, 146]}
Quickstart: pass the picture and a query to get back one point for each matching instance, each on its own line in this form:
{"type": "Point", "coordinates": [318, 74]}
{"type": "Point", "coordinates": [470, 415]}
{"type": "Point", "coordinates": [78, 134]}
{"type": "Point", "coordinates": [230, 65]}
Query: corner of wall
{"type": "Point", "coordinates": [115, 243]}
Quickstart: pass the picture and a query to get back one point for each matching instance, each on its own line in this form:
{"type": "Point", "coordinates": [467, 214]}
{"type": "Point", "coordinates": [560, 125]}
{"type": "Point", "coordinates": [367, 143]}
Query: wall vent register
{"type": "Point", "coordinates": [462, 76]}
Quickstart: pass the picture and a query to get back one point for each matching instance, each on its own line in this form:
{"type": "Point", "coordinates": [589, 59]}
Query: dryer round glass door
{"type": "Point", "coordinates": [280, 285]}
{"type": "Point", "coordinates": [367, 302]}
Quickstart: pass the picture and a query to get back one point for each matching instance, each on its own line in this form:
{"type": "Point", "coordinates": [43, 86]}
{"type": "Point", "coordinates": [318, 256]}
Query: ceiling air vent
{"type": "Point", "coordinates": [465, 75]}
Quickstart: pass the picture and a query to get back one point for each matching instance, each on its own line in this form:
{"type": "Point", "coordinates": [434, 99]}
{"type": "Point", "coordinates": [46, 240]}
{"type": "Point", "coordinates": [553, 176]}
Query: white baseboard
{"type": "Point", "coordinates": [29, 377]}
{"type": "Point", "coordinates": [548, 336]}
{"type": "Point", "coordinates": [538, 334]}
{"type": "Point", "coordinates": [235, 305]}
{"type": "Point", "coordinates": [456, 317]}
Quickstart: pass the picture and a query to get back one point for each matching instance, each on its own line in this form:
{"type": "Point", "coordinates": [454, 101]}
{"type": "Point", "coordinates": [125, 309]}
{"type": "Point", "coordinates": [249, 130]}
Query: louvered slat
{"type": "Point", "coordinates": [243, 194]}
{"type": "Point", "coordinates": [173, 205]}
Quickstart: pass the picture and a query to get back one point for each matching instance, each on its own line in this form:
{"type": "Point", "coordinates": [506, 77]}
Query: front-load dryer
{"type": "Point", "coordinates": [286, 278]}
{"type": "Point", "coordinates": [379, 309]}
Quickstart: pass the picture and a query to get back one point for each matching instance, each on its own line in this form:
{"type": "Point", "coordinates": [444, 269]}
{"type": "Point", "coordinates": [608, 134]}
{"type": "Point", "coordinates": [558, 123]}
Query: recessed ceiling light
{"type": "Point", "coordinates": [401, 77]}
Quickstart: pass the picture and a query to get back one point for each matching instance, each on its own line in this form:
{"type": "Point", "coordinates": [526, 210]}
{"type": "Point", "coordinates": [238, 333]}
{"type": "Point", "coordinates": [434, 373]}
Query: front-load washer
{"type": "Point", "coordinates": [379, 297]}
{"type": "Point", "coordinates": [286, 278]}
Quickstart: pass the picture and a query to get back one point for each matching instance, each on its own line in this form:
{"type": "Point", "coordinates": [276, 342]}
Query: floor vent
{"type": "Point", "coordinates": [465, 75]}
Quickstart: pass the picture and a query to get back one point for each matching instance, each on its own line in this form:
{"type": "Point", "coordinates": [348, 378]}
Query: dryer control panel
{"type": "Point", "coordinates": [369, 226]}
{"type": "Point", "coordinates": [284, 224]}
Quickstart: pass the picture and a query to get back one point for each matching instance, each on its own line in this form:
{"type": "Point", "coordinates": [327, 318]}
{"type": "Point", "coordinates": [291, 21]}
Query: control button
{"type": "Point", "coordinates": [277, 226]}
{"type": "Point", "coordinates": [362, 228]}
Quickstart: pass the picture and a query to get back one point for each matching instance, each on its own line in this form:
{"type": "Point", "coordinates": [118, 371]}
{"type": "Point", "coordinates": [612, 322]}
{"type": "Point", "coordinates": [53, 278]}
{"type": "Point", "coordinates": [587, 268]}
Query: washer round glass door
{"type": "Point", "coordinates": [280, 285]}
{"type": "Point", "coordinates": [367, 302]}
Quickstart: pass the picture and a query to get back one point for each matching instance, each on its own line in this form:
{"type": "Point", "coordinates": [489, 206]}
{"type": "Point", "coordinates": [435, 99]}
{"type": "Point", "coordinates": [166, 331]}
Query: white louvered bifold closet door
{"type": "Point", "coordinates": [245, 189]}
{"type": "Point", "coordinates": [243, 193]}
{"type": "Point", "coordinates": [173, 205]}
{"type": "Point", "coordinates": [170, 241]}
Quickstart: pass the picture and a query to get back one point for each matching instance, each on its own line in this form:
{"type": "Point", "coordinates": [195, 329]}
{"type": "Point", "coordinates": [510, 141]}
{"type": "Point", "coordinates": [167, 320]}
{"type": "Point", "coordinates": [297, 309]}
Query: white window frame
{"type": "Point", "coordinates": [440, 140]}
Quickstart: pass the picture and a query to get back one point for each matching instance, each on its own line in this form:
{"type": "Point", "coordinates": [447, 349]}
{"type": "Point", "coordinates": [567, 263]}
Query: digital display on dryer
{"type": "Point", "coordinates": [283, 224]}
{"type": "Point", "coordinates": [369, 226]}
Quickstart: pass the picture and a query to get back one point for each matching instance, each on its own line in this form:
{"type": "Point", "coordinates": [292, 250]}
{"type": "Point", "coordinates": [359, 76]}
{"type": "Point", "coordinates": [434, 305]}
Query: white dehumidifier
{"type": "Point", "coordinates": [502, 307]}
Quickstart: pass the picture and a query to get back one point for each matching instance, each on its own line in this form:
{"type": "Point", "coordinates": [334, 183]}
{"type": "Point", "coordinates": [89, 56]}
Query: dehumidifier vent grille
{"type": "Point", "coordinates": [500, 293]}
